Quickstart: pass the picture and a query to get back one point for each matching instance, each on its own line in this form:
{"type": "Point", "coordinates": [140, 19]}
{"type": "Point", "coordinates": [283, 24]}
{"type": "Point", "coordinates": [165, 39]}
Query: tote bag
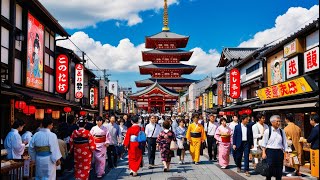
{"type": "Point", "coordinates": [173, 146]}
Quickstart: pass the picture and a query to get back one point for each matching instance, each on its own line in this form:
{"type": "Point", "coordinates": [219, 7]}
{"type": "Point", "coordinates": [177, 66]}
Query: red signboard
{"type": "Point", "coordinates": [79, 81]}
{"type": "Point", "coordinates": [234, 83]}
{"type": "Point", "coordinates": [96, 94]}
{"type": "Point", "coordinates": [220, 93]}
{"type": "Point", "coordinates": [62, 74]}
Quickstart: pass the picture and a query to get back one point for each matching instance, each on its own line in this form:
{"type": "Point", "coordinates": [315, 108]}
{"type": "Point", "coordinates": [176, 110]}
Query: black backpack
{"type": "Point", "coordinates": [281, 132]}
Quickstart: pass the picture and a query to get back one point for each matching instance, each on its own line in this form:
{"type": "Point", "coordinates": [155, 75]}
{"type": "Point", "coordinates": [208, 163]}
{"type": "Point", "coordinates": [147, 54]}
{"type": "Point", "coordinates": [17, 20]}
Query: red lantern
{"type": "Point", "coordinates": [221, 113]}
{"type": "Point", "coordinates": [48, 111]}
{"type": "Point", "coordinates": [20, 105]}
{"type": "Point", "coordinates": [67, 109]}
{"type": "Point", "coordinates": [228, 113]}
{"type": "Point", "coordinates": [247, 111]}
{"type": "Point", "coordinates": [28, 110]}
{"type": "Point", "coordinates": [83, 113]}
{"type": "Point", "coordinates": [240, 112]}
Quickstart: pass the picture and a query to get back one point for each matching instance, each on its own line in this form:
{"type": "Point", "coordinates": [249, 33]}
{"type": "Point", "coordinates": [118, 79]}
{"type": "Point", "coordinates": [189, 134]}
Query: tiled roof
{"type": "Point", "coordinates": [169, 66]}
{"type": "Point", "coordinates": [167, 34]}
{"type": "Point", "coordinates": [167, 80]}
{"type": "Point", "coordinates": [229, 54]}
{"type": "Point", "coordinates": [154, 85]}
{"type": "Point", "coordinates": [175, 51]}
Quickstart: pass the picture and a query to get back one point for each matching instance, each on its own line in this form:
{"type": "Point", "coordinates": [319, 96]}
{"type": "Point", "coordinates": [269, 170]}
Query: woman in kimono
{"type": "Point", "coordinates": [223, 136]}
{"type": "Point", "coordinates": [102, 139]}
{"type": "Point", "coordinates": [181, 135]}
{"type": "Point", "coordinates": [195, 136]}
{"type": "Point", "coordinates": [163, 143]}
{"type": "Point", "coordinates": [13, 143]}
{"type": "Point", "coordinates": [134, 148]}
{"type": "Point", "coordinates": [82, 144]}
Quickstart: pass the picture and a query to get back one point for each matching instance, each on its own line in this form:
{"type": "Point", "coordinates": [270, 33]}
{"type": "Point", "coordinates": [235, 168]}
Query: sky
{"type": "Point", "coordinates": [112, 33]}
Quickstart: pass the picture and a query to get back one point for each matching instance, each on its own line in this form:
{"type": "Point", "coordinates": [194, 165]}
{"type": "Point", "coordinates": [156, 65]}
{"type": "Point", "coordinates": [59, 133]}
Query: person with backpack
{"type": "Point", "coordinates": [274, 144]}
{"type": "Point", "coordinates": [134, 142]}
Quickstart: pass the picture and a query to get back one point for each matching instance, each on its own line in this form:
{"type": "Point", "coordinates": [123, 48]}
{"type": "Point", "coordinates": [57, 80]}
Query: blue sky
{"type": "Point", "coordinates": [211, 25]}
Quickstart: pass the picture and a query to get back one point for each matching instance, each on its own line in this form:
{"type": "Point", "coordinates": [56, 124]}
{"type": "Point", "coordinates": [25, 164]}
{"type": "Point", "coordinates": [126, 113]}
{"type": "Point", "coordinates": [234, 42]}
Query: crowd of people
{"type": "Point", "coordinates": [83, 145]}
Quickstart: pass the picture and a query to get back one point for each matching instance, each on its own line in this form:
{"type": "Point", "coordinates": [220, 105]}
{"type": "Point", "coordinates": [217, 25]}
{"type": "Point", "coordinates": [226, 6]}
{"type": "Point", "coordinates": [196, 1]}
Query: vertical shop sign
{"type": "Point", "coordinates": [111, 101]}
{"type": "Point", "coordinates": [234, 83]}
{"type": "Point", "coordinates": [227, 84]}
{"type": "Point", "coordinates": [79, 81]}
{"type": "Point", "coordinates": [220, 93]}
{"type": "Point", "coordinates": [210, 99]}
{"type": "Point", "coordinates": [96, 95]}
{"type": "Point", "coordinates": [292, 67]}
{"type": "Point", "coordinates": [62, 74]}
{"type": "Point", "coordinates": [106, 103]}
{"type": "Point", "coordinates": [91, 96]}
{"type": "Point", "coordinates": [311, 59]}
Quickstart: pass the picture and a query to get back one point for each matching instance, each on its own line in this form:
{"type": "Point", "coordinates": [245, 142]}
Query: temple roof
{"type": "Point", "coordinates": [152, 54]}
{"type": "Point", "coordinates": [167, 51]}
{"type": "Point", "coordinates": [180, 41]}
{"type": "Point", "coordinates": [153, 86]}
{"type": "Point", "coordinates": [176, 81]}
{"type": "Point", "coordinates": [229, 54]}
{"type": "Point", "coordinates": [147, 69]}
{"type": "Point", "coordinates": [167, 35]}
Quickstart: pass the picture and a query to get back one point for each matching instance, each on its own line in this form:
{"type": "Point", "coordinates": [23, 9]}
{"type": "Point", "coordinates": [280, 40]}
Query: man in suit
{"type": "Point", "coordinates": [314, 135]}
{"type": "Point", "coordinates": [242, 143]}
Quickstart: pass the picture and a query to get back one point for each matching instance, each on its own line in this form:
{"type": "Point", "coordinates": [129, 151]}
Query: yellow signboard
{"type": "Point", "coordinates": [111, 101]}
{"type": "Point", "coordinates": [200, 101]}
{"type": "Point", "coordinates": [106, 103]}
{"type": "Point", "coordinates": [285, 89]}
{"type": "Point", "coordinates": [210, 99]}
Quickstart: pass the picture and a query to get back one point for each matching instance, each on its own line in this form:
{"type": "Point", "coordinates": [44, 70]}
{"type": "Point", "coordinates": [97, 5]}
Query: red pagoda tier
{"type": "Point", "coordinates": [165, 68]}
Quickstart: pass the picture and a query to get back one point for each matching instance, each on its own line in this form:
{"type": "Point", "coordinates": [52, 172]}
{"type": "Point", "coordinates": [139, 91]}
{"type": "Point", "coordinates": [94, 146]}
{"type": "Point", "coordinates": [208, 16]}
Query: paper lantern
{"type": "Point", "coordinates": [83, 113]}
{"type": "Point", "coordinates": [228, 113]}
{"type": "Point", "coordinates": [55, 114]}
{"type": "Point", "coordinates": [28, 110]}
{"type": "Point", "coordinates": [39, 114]}
{"type": "Point", "coordinates": [221, 113]}
{"type": "Point", "coordinates": [48, 111]}
{"type": "Point", "coordinates": [240, 112]}
{"type": "Point", "coordinates": [247, 111]}
{"type": "Point", "coordinates": [20, 105]}
{"type": "Point", "coordinates": [67, 109]}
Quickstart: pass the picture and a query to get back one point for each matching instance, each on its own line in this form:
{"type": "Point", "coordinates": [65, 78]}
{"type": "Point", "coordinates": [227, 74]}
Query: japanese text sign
{"type": "Point", "coordinates": [234, 83]}
{"type": "Point", "coordinates": [210, 99]}
{"type": "Point", "coordinates": [91, 96]}
{"type": "Point", "coordinates": [197, 103]}
{"type": "Point", "coordinates": [227, 84]}
{"type": "Point", "coordinates": [292, 67]}
{"type": "Point", "coordinates": [62, 74]}
{"type": "Point", "coordinates": [290, 48]}
{"type": "Point", "coordinates": [79, 81]}
{"type": "Point", "coordinates": [220, 93]}
{"type": "Point", "coordinates": [106, 103]}
{"type": "Point", "coordinates": [111, 101]}
{"type": "Point", "coordinates": [311, 59]}
{"type": "Point", "coordinates": [285, 89]}
{"type": "Point", "coordinates": [96, 94]}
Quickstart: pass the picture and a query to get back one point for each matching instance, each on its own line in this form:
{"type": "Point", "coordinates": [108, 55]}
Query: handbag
{"type": "Point", "coordinates": [262, 168]}
{"type": "Point", "coordinates": [180, 144]}
{"type": "Point", "coordinates": [186, 146]}
{"type": "Point", "coordinates": [173, 146]}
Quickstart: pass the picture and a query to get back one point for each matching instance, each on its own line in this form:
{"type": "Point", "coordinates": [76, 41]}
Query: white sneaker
{"type": "Point", "coordinates": [180, 162]}
{"type": "Point", "coordinates": [223, 167]}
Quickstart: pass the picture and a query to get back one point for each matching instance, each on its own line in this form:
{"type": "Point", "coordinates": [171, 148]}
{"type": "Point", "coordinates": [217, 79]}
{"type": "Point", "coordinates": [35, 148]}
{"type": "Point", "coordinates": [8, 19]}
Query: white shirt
{"type": "Point", "coordinates": [258, 131]}
{"type": "Point", "coordinates": [275, 141]}
{"type": "Point", "coordinates": [244, 132]}
{"type": "Point", "coordinates": [149, 129]}
{"type": "Point", "coordinates": [211, 128]}
{"type": "Point", "coordinates": [26, 136]}
{"type": "Point", "coordinates": [232, 125]}
{"type": "Point", "coordinates": [14, 145]}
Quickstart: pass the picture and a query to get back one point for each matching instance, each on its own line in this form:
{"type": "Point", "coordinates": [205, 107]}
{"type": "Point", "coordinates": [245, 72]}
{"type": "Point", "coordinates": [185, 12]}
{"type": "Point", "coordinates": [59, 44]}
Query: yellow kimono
{"type": "Point", "coordinates": [195, 142]}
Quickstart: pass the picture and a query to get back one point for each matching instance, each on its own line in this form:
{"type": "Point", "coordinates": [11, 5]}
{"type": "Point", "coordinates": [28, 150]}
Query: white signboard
{"type": "Point", "coordinates": [79, 81]}
{"type": "Point", "coordinates": [91, 95]}
{"type": "Point", "coordinates": [311, 59]}
{"type": "Point", "coordinates": [228, 83]}
{"type": "Point", "coordinates": [292, 67]}
{"type": "Point", "coordinates": [290, 48]}
{"type": "Point", "coordinates": [113, 87]}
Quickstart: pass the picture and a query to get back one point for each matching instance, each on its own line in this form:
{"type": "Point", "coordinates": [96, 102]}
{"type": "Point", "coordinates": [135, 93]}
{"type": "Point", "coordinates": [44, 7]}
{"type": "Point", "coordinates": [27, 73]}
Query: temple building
{"type": "Point", "coordinates": [162, 89]}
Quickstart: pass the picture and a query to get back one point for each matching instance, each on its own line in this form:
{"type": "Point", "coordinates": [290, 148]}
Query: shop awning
{"type": "Point", "coordinates": [292, 106]}
{"type": "Point", "coordinates": [91, 110]}
{"type": "Point", "coordinates": [251, 81]}
{"type": "Point", "coordinates": [245, 105]}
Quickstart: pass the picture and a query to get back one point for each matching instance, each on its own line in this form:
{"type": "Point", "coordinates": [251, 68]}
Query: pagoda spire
{"type": "Point", "coordinates": [165, 17]}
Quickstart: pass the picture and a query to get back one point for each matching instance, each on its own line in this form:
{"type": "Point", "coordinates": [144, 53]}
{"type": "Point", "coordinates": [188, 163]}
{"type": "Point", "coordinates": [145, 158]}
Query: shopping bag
{"type": "Point", "coordinates": [180, 144]}
{"type": "Point", "coordinates": [173, 146]}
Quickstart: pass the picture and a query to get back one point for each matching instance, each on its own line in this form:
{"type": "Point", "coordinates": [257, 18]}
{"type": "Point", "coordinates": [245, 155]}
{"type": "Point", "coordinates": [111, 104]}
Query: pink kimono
{"type": "Point", "coordinates": [101, 137]}
{"type": "Point", "coordinates": [224, 144]}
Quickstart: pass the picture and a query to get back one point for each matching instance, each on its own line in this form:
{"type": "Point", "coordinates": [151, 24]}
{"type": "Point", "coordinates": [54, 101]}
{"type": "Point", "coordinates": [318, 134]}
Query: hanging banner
{"type": "Point", "coordinates": [285, 89]}
{"type": "Point", "coordinates": [200, 101]}
{"type": "Point", "coordinates": [91, 96]}
{"type": "Point", "coordinates": [210, 99]}
{"type": "Point", "coordinates": [96, 95]}
{"type": "Point", "coordinates": [220, 93]}
{"type": "Point", "coordinates": [197, 103]}
{"type": "Point", "coordinates": [292, 67]}
{"type": "Point", "coordinates": [106, 103]}
{"type": "Point", "coordinates": [62, 74]}
{"type": "Point", "coordinates": [79, 81]}
{"type": "Point", "coordinates": [227, 83]}
{"type": "Point", "coordinates": [205, 101]}
{"type": "Point", "coordinates": [311, 59]}
{"type": "Point", "coordinates": [111, 101]}
{"type": "Point", "coordinates": [234, 83]}
{"type": "Point", "coordinates": [35, 53]}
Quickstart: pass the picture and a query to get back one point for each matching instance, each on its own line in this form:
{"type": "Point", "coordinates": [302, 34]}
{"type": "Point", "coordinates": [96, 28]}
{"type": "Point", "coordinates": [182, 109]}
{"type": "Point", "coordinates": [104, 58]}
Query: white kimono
{"type": "Point", "coordinates": [14, 145]}
{"type": "Point", "coordinates": [27, 136]}
{"type": "Point", "coordinates": [45, 165]}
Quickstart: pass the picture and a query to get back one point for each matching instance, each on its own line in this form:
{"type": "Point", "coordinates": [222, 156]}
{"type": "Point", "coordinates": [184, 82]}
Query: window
{"type": "Point", "coordinates": [4, 45]}
{"type": "Point", "coordinates": [17, 71]}
{"type": "Point", "coordinates": [18, 17]}
{"type": "Point", "coordinates": [252, 92]}
{"type": "Point", "coordinates": [47, 39]}
{"type": "Point", "coordinates": [46, 80]}
{"type": "Point", "coordinates": [49, 62]}
{"type": "Point", "coordinates": [253, 68]}
{"type": "Point", "coordinates": [5, 8]}
{"type": "Point", "coordinates": [51, 43]}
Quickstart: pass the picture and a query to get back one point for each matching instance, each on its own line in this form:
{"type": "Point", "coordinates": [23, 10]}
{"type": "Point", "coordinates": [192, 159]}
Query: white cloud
{"type": "Point", "coordinates": [126, 57]}
{"type": "Point", "coordinates": [84, 13]}
{"type": "Point", "coordinates": [295, 18]}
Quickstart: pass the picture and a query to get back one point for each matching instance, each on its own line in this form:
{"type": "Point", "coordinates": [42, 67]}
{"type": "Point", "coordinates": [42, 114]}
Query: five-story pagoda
{"type": "Point", "coordinates": [165, 69]}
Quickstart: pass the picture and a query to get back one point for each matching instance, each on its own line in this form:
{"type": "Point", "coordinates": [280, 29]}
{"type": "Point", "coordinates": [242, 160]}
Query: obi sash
{"type": "Point", "coordinates": [100, 139]}
{"type": "Point", "coordinates": [195, 134]}
{"type": "Point", "coordinates": [133, 138]}
{"type": "Point", "coordinates": [43, 150]}
{"type": "Point", "coordinates": [225, 139]}
{"type": "Point", "coordinates": [81, 140]}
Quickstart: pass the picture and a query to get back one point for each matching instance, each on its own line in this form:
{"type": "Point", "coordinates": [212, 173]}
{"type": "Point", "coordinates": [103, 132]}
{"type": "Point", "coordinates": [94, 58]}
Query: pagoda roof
{"type": "Point", "coordinates": [154, 86]}
{"type": "Point", "coordinates": [172, 81]}
{"type": "Point", "coordinates": [181, 40]}
{"type": "Point", "coordinates": [149, 55]}
{"type": "Point", "coordinates": [234, 53]}
{"type": "Point", "coordinates": [167, 35]}
{"type": "Point", "coordinates": [188, 69]}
